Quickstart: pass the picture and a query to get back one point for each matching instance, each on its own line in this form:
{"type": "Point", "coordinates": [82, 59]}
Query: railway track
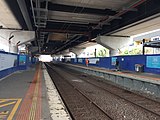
{"type": "Point", "coordinates": [79, 105]}
{"type": "Point", "coordinates": [141, 101]}
{"type": "Point", "coordinates": [92, 91]}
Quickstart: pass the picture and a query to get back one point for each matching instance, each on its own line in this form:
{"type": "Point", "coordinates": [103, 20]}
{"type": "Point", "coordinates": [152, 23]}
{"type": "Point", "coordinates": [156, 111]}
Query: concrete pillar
{"type": "Point", "coordinates": [77, 50]}
{"type": "Point", "coordinates": [113, 52]}
{"type": "Point", "coordinates": [113, 43]}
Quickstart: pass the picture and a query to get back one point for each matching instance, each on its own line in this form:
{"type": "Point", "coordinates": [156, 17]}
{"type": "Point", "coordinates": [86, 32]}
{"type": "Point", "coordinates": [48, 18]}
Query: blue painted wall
{"type": "Point", "coordinates": [6, 72]}
{"type": "Point", "coordinates": [28, 61]}
{"type": "Point", "coordinates": [126, 63]}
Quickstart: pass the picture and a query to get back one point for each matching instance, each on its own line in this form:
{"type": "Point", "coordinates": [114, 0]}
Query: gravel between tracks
{"type": "Point", "coordinates": [117, 108]}
{"type": "Point", "coordinates": [78, 105]}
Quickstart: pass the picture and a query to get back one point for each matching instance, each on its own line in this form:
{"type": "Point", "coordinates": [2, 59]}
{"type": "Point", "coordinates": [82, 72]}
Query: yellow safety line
{"type": "Point", "coordinates": [2, 117]}
{"type": "Point", "coordinates": [4, 113]}
{"type": "Point", "coordinates": [1, 101]}
{"type": "Point", "coordinates": [34, 100]}
{"type": "Point", "coordinates": [9, 99]}
{"type": "Point", "coordinates": [10, 103]}
{"type": "Point", "coordinates": [34, 103]}
{"type": "Point", "coordinates": [14, 109]}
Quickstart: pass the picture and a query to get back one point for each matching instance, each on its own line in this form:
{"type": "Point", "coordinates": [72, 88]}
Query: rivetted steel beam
{"type": "Point", "coordinates": [13, 5]}
{"type": "Point", "coordinates": [23, 8]}
{"type": "Point", "coordinates": [146, 11]}
{"type": "Point", "coordinates": [68, 8]}
{"type": "Point", "coordinates": [123, 11]}
{"type": "Point", "coordinates": [64, 31]}
{"type": "Point", "coordinates": [27, 41]}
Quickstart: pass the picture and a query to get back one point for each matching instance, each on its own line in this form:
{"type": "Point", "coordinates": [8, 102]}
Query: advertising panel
{"type": "Point", "coordinates": [93, 60]}
{"type": "Point", "coordinates": [113, 60]}
{"type": "Point", "coordinates": [7, 61]}
{"type": "Point", "coordinates": [22, 60]}
{"type": "Point", "coordinates": [80, 60]}
{"type": "Point", "coordinates": [153, 62]}
{"type": "Point", "coordinates": [75, 60]}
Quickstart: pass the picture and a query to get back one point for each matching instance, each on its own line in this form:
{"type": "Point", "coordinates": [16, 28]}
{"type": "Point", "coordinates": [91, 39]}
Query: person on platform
{"type": "Point", "coordinates": [87, 61]}
{"type": "Point", "coordinates": [117, 65]}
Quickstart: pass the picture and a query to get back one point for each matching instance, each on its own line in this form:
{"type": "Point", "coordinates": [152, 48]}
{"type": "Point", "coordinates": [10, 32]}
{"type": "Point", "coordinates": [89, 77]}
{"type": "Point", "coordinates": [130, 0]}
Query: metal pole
{"type": "Point", "coordinates": [143, 50]}
{"type": "Point", "coordinates": [95, 52]}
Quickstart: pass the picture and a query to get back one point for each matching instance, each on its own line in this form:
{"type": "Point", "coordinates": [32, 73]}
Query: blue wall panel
{"type": "Point", "coordinates": [6, 72]}
{"type": "Point", "coordinates": [126, 63]}
{"type": "Point", "coordinates": [20, 66]}
{"type": "Point", "coordinates": [105, 62]}
{"type": "Point", "coordinates": [149, 69]}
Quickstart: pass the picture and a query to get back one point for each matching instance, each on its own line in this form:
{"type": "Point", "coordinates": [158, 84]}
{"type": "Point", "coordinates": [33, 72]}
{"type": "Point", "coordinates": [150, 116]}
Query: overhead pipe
{"type": "Point", "coordinates": [123, 11]}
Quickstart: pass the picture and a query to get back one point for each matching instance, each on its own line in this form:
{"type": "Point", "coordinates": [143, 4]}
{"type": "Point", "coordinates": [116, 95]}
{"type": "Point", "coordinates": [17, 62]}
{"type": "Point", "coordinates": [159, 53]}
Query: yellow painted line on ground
{"type": "Point", "coordinates": [1, 101]}
{"type": "Point", "coordinates": [9, 99]}
{"type": "Point", "coordinates": [10, 103]}
{"type": "Point", "coordinates": [3, 117]}
{"type": "Point", "coordinates": [35, 99]}
{"type": "Point", "coordinates": [34, 105]}
{"type": "Point", "coordinates": [14, 109]}
{"type": "Point", "coordinates": [4, 113]}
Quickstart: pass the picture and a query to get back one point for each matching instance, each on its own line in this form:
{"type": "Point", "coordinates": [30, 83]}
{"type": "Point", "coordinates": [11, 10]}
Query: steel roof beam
{"type": "Point", "coordinates": [63, 31]}
{"type": "Point", "coordinates": [67, 8]}
{"type": "Point", "coordinates": [23, 8]}
{"type": "Point", "coordinates": [65, 21]}
{"type": "Point", "coordinates": [130, 9]}
{"type": "Point", "coordinates": [13, 4]}
{"type": "Point", "coordinates": [146, 8]}
{"type": "Point", "coordinates": [41, 17]}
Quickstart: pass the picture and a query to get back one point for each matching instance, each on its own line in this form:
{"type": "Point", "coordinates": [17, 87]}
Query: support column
{"type": "Point", "coordinates": [77, 50]}
{"type": "Point", "coordinates": [113, 43]}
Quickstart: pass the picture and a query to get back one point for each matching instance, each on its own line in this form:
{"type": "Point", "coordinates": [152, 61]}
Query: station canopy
{"type": "Point", "coordinates": [63, 24]}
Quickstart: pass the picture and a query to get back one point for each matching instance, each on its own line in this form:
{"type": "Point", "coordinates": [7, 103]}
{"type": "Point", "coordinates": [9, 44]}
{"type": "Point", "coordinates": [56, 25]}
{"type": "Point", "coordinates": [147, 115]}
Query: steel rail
{"type": "Point", "coordinates": [121, 97]}
{"type": "Point", "coordinates": [92, 102]}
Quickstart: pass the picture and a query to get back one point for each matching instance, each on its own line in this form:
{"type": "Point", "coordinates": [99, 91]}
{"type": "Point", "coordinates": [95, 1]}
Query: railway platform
{"type": "Point", "coordinates": [87, 97]}
{"type": "Point", "coordinates": [141, 82]}
{"type": "Point", "coordinates": [24, 96]}
{"type": "Point", "coordinates": [32, 95]}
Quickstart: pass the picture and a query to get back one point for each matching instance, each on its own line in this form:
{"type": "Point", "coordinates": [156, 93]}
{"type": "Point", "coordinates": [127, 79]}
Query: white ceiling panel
{"type": "Point", "coordinates": [141, 28]}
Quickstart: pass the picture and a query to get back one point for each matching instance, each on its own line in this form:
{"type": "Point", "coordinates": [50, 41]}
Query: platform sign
{"type": "Point", "coordinates": [75, 60]}
{"type": "Point", "coordinates": [30, 59]}
{"type": "Point", "coordinates": [7, 61]}
{"type": "Point", "coordinates": [22, 60]}
{"type": "Point", "coordinates": [153, 62]}
{"type": "Point", "coordinates": [113, 60]}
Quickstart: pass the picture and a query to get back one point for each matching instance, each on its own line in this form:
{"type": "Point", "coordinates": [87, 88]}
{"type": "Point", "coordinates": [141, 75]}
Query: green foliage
{"type": "Point", "coordinates": [103, 52]}
{"type": "Point", "coordinates": [134, 51]}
